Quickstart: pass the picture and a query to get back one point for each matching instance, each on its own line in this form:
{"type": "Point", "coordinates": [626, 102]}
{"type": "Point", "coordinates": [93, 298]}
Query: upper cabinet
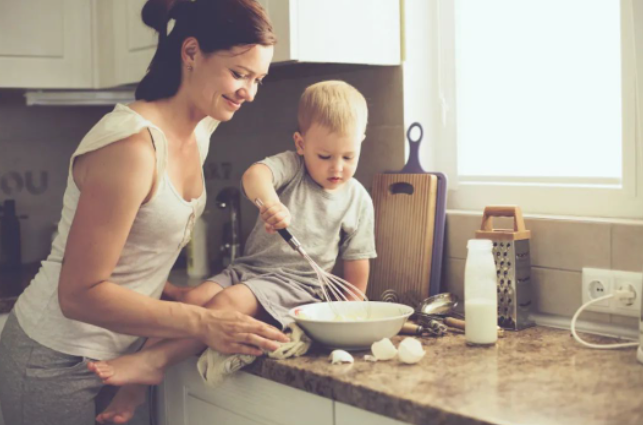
{"type": "Point", "coordinates": [84, 44]}
{"type": "Point", "coordinates": [76, 44]}
{"type": "Point", "coordinates": [336, 31]}
{"type": "Point", "coordinates": [125, 44]}
{"type": "Point", "coordinates": [45, 43]}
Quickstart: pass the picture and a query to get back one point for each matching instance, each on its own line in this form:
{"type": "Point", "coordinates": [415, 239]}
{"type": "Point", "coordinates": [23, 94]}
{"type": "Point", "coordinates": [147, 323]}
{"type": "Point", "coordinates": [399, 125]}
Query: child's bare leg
{"type": "Point", "coordinates": [197, 295]}
{"type": "Point", "coordinates": [106, 370]}
{"type": "Point", "coordinates": [147, 366]}
{"type": "Point", "coordinates": [130, 396]}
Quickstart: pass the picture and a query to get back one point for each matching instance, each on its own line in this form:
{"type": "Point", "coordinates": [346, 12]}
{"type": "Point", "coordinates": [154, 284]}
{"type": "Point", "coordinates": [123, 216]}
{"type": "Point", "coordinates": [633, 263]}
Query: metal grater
{"type": "Point", "coordinates": [513, 266]}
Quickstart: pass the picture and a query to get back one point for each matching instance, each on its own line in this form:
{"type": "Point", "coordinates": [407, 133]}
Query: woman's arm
{"type": "Point", "coordinates": [356, 272]}
{"type": "Point", "coordinates": [114, 182]}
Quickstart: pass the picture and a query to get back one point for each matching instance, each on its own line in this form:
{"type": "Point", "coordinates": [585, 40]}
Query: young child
{"type": "Point", "coordinates": [312, 193]}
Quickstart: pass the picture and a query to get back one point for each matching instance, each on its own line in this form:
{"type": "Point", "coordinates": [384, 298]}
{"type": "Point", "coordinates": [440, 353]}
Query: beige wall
{"type": "Point", "coordinates": [560, 248]}
{"type": "Point", "coordinates": [40, 140]}
{"type": "Point", "coordinates": [37, 140]}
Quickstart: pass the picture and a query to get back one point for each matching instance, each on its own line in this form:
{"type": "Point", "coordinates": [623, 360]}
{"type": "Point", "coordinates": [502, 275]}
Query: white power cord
{"type": "Point", "coordinates": [623, 295]}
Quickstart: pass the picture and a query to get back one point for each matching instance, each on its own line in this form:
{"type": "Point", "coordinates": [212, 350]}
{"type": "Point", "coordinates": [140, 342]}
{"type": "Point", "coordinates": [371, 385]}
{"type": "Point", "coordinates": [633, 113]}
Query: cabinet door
{"type": "Point", "coordinates": [201, 413]}
{"type": "Point", "coordinates": [45, 43]}
{"type": "Point", "coordinates": [336, 31]}
{"type": "Point", "coordinates": [280, 16]}
{"type": "Point", "coordinates": [349, 415]}
{"type": "Point", "coordinates": [124, 44]}
{"type": "Point", "coordinates": [355, 31]}
{"type": "Point", "coordinates": [241, 399]}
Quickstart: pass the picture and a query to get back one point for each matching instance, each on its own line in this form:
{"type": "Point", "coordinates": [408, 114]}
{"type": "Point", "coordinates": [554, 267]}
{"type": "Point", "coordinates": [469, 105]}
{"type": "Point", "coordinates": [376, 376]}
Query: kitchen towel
{"type": "Point", "coordinates": [214, 367]}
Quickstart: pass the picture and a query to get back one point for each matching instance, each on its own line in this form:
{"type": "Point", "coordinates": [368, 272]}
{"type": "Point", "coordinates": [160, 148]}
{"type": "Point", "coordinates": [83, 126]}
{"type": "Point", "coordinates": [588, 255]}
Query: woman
{"type": "Point", "coordinates": [134, 190]}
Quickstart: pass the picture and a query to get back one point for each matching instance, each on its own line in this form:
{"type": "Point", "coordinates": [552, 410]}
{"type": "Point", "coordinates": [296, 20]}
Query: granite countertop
{"type": "Point", "coordinates": [13, 282]}
{"type": "Point", "coordinates": [535, 376]}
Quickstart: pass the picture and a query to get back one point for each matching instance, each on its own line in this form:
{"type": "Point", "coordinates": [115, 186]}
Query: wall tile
{"type": "Point", "coordinates": [569, 245]}
{"type": "Point", "coordinates": [558, 292]}
{"type": "Point", "coordinates": [627, 247]}
{"type": "Point", "coordinates": [36, 143]}
{"type": "Point", "coordinates": [459, 229]}
{"type": "Point", "coordinates": [453, 277]}
{"type": "Point", "coordinates": [625, 321]}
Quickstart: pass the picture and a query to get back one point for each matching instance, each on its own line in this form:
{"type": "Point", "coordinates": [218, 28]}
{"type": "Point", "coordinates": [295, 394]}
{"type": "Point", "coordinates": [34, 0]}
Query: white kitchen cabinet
{"type": "Point", "coordinates": [336, 31]}
{"type": "Point", "coordinates": [246, 399]}
{"type": "Point", "coordinates": [73, 43]}
{"type": "Point", "coordinates": [126, 44]}
{"type": "Point", "coordinates": [349, 415]}
{"type": "Point", "coordinates": [85, 44]}
{"type": "Point", "coordinates": [45, 43]}
{"type": "Point", "coordinates": [243, 399]}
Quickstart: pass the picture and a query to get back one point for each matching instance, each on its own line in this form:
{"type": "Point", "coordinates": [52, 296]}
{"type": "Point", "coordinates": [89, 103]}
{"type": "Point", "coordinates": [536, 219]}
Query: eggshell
{"type": "Point", "coordinates": [410, 351]}
{"type": "Point", "coordinates": [384, 349]}
{"type": "Point", "coordinates": [340, 356]}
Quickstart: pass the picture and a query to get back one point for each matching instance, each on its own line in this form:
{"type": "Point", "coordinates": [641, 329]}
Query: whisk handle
{"type": "Point", "coordinates": [292, 241]}
{"type": "Point", "coordinates": [285, 234]}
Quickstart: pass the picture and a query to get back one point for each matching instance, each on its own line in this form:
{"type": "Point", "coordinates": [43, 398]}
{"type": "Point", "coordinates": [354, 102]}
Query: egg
{"type": "Point", "coordinates": [384, 349]}
{"type": "Point", "coordinates": [410, 351]}
{"type": "Point", "coordinates": [340, 356]}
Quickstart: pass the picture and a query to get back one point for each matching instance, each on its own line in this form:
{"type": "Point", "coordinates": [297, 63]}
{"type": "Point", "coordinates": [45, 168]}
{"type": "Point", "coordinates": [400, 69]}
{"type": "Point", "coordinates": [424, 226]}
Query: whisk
{"type": "Point", "coordinates": [333, 288]}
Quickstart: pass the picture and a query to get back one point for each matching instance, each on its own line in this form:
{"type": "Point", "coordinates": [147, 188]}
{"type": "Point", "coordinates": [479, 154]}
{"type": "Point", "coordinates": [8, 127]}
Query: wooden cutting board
{"type": "Point", "coordinates": [405, 211]}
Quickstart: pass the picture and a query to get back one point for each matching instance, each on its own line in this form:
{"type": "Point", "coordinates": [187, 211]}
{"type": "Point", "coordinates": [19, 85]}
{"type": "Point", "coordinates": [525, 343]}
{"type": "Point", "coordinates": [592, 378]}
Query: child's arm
{"type": "Point", "coordinates": [356, 272]}
{"type": "Point", "coordinates": [258, 184]}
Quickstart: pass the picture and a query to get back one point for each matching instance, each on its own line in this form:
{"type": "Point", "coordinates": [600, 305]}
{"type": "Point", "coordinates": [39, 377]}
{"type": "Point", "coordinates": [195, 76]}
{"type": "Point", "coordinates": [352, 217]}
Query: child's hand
{"type": "Point", "coordinates": [275, 216]}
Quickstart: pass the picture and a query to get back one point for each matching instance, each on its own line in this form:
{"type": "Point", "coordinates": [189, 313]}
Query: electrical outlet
{"type": "Point", "coordinates": [597, 283]}
{"type": "Point", "coordinates": [600, 282]}
{"type": "Point", "coordinates": [625, 280]}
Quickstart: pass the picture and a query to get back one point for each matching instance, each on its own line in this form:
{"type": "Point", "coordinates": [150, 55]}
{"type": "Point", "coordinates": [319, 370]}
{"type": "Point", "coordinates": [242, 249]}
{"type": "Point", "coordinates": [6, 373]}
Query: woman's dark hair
{"type": "Point", "coordinates": [216, 24]}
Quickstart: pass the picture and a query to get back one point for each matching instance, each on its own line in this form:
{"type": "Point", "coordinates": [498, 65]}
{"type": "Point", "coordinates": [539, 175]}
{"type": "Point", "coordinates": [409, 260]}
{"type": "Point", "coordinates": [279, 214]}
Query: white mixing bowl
{"type": "Point", "coordinates": [348, 331]}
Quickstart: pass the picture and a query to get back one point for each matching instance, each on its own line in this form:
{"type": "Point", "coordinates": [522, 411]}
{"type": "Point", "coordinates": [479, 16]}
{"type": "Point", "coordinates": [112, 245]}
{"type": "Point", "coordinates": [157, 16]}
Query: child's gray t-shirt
{"type": "Point", "coordinates": [328, 225]}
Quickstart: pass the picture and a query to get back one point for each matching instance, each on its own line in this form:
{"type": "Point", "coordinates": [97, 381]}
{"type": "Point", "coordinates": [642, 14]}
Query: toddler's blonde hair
{"type": "Point", "coordinates": [335, 105]}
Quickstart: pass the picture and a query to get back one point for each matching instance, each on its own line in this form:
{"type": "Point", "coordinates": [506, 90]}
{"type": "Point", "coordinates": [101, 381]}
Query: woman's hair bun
{"type": "Point", "coordinates": [155, 14]}
{"type": "Point", "coordinates": [180, 8]}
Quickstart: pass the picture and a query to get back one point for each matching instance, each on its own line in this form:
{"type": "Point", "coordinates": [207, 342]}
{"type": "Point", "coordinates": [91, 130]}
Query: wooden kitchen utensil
{"type": "Point", "coordinates": [513, 266]}
{"type": "Point", "coordinates": [405, 229]}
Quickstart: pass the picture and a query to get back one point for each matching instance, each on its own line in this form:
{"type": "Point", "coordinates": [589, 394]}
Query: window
{"type": "Point", "coordinates": [538, 106]}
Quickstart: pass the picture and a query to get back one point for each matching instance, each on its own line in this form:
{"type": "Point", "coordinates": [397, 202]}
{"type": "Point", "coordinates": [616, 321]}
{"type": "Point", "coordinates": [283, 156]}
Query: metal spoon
{"type": "Point", "coordinates": [438, 307]}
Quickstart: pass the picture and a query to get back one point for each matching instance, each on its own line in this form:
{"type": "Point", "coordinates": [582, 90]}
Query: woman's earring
{"type": "Point", "coordinates": [189, 67]}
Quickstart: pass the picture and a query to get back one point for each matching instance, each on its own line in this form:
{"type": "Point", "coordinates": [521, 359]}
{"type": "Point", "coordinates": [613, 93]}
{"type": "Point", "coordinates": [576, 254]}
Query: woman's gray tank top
{"type": "Point", "coordinates": [161, 229]}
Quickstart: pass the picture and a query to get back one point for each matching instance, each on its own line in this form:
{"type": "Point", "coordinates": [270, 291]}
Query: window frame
{"type": "Point", "coordinates": [550, 196]}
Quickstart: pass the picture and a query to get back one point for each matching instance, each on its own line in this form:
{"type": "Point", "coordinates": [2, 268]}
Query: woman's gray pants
{"type": "Point", "coordinates": [39, 386]}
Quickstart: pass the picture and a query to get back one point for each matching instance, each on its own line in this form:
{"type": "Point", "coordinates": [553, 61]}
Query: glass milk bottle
{"type": "Point", "coordinates": [480, 294]}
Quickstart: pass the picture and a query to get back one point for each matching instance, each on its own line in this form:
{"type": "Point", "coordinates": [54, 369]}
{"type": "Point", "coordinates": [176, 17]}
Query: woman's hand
{"type": "Point", "coordinates": [231, 332]}
{"type": "Point", "coordinates": [275, 216]}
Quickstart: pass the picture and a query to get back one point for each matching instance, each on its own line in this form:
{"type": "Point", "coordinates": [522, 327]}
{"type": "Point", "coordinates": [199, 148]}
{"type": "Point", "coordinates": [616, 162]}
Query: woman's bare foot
{"type": "Point", "coordinates": [139, 368]}
{"type": "Point", "coordinates": [122, 407]}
